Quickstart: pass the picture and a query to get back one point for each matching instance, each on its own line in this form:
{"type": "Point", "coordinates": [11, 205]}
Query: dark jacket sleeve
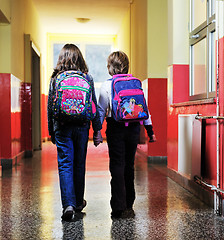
{"type": "Point", "coordinates": [149, 130]}
{"type": "Point", "coordinates": [97, 126]}
{"type": "Point", "coordinates": [50, 109]}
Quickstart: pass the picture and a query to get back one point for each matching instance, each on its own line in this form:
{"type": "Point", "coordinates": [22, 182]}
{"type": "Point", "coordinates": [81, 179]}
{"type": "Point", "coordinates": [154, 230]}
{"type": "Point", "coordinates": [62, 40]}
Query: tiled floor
{"type": "Point", "coordinates": [31, 208]}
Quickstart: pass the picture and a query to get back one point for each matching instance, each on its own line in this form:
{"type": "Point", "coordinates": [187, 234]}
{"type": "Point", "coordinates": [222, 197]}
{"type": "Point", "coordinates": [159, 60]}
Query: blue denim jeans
{"type": "Point", "coordinates": [72, 141]}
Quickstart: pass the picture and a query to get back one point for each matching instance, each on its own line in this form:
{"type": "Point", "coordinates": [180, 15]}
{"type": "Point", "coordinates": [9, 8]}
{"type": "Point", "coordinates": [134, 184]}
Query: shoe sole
{"type": "Point", "coordinates": [67, 216]}
{"type": "Point", "coordinates": [80, 208]}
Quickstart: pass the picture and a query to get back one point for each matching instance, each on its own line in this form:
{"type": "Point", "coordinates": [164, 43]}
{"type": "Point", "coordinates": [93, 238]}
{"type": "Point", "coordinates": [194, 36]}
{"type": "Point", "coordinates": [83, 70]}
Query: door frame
{"type": "Point", "coordinates": [32, 76]}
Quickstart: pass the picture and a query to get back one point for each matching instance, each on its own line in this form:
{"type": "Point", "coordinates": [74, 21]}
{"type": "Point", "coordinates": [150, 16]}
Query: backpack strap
{"type": "Point", "coordinates": [122, 75]}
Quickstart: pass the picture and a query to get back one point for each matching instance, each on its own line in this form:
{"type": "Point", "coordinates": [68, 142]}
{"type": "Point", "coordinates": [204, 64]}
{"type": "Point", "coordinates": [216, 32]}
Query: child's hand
{"type": "Point", "coordinates": [97, 138]}
{"type": "Point", "coordinates": [152, 138]}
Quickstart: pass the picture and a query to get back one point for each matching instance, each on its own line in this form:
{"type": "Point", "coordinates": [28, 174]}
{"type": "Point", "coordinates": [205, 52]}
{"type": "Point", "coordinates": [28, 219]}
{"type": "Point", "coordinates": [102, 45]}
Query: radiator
{"type": "Point", "coordinates": [189, 145]}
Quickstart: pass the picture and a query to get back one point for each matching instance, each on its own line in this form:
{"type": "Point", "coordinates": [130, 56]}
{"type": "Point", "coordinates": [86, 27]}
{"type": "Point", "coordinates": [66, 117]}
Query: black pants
{"type": "Point", "coordinates": [122, 143]}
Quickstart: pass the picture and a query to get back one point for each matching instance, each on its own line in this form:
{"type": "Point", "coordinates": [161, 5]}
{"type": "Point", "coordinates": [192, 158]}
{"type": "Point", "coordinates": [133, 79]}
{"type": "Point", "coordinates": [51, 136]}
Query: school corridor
{"type": "Point", "coordinates": [31, 207]}
{"type": "Point", "coordinates": [176, 48]}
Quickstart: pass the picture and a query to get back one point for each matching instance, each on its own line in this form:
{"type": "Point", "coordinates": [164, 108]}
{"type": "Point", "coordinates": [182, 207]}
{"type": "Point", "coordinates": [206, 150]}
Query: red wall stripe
{"type": "Point", "coordinates": [157, 103]}
{"type": "Point", "coordinates": [209, 161]}
{"type": "Point", "coordinates": [5, 120]}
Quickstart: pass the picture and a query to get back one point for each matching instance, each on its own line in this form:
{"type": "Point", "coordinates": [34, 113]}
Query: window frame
{"type": "Point", "coordinates": [204, 30]}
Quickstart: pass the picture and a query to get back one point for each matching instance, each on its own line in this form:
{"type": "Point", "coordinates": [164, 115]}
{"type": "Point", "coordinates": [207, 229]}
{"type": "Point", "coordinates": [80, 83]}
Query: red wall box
{"type": "Point", "coordinates": [157, 104]}
{"type": "Point", "coordinates": [15, 123]}
{"type": "Point", "coordinates": [44, 123]}
{"type": "Point", "coordinates": [5, 120]}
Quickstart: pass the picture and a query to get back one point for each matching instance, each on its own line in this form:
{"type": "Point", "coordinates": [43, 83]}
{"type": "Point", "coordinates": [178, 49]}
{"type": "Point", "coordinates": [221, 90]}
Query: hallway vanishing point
{"type": "Point", "coordinates": [31, 207]}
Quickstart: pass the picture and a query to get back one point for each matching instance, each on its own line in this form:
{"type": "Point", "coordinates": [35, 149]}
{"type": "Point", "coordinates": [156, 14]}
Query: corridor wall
{"type": "Point", "coordinates": [179, 100]}
{"type": "Point", "coordinates": [143, 36]}
{"type": "Point", "coordinates": [23, 19]}
{"type": "Point", "coordinates": [157, 53]}
{"type": "Point", "coordinates": [5, 13]}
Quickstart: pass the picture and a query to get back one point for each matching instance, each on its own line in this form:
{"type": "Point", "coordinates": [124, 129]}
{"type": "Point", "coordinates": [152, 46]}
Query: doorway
{"type": "Point", "coordinates": [36, 113]}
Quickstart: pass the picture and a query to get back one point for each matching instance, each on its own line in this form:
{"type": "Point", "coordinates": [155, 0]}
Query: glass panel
{"type": "Point", "coordinates": [56, 50]}
{"type": "Point", "coordinates": [199, 13]}
{"type": "Point", "coordinates": [199, 67]}
{"type": "Point", "coordinates": [212, 7]}
{"type": "Point", "coordinates": [96, 59]}
{"type": "Point", "coordinates": [212, 74]}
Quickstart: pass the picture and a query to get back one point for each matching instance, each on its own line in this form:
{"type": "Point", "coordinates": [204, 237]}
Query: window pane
{"type": "Point", "coordinates": [212, 7]}
{"type": "Point", "coordinates": [96, 59]}
{"type": "Point", "coordinates": [199, 67]}
{"type": "Point", "coordinates": [212, 73]}
{"type": "Point", "coordinates": [199, 12]}
{"type": "Point", "coordinates": [56, 50]}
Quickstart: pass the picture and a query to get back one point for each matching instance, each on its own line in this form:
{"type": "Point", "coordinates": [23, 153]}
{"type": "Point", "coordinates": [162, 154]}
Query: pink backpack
{"type": "Point", "coordinates": [73, 97]}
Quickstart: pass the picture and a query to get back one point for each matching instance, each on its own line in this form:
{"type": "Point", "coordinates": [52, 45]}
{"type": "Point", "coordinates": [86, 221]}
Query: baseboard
{"type": "Point", "coordinates": [8, 163]}
{"type": "Point", "coordinates": [28, 154]}
{"type": "Point", "coordinates": [203, 194]}
{"type": "Point", "coordinates": [157, 160]}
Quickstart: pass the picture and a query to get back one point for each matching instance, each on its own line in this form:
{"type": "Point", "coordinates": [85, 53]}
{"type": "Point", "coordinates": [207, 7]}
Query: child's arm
{"type": "Point", "coordinates": [49, 111]}
{"type": "Point", "coordinates": [149, 129]}
{"type": "Point", "coordinates": [103, 103]}
{"type": "Point", "coordinates": [97, 126]}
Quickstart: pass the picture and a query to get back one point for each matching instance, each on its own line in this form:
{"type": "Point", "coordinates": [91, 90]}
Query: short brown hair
{"type": "Point", "coordinates": [70, 58]}
{"type": "Point", "coordinates": [117, 63]}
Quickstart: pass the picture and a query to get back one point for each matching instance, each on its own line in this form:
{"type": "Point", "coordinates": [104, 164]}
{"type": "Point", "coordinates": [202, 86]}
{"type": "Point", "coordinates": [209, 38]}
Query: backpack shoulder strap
{"type": "Point", "coordinates": [121, 75]}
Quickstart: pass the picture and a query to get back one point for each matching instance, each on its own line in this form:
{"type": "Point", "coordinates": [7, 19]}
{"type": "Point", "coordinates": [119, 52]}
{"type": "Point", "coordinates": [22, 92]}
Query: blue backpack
{"type": "Point", "coordinates": [128, 101]}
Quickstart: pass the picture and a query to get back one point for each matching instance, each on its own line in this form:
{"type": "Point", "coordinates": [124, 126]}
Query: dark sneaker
{"type": "Point", "coordinates": [67, 213]}
{"type": "Point", "coordinates": [129, 213]}
{"type": "Point", "coordinates": [79, 208]}
{"type": "Point", "coordinates": [117, 214]}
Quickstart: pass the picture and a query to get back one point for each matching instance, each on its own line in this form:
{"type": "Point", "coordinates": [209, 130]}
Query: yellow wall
{"type": "Point", "coordinates": [139, 39]}
{"type": "Point", "coordinates": [123, 41]}
{"type": "Point", "coordinates": [178, 24]}
{"type": "Point", "coordinates": [5, 10]}
{"type": "Point", "coordinates": [132, 38]}
{"type": "Point", "coordinates": [157, 38]}
{"type": "Point", "coordinates": [24, 20]}
{"type": "Point", "coordinates": [5, 49]}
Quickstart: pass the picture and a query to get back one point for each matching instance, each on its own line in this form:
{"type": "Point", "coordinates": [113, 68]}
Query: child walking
{"type": "Point", "coordinates": [71, 138]}
{"type": "Point", "coordinates": [122, 141]}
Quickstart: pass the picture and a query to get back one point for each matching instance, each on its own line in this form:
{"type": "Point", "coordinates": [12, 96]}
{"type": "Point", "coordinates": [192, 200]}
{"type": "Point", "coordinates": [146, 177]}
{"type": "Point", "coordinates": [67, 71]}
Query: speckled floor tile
{"type": "Point", "coordinates": [31, 208]}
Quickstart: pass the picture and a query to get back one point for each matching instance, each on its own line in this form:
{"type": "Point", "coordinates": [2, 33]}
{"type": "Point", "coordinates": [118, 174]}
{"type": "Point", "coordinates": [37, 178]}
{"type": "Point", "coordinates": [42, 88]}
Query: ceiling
{"type": "Point", "coordinates": [59, 16]}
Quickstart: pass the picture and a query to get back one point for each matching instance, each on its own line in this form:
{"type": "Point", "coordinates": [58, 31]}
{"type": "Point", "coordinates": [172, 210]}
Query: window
{"type": "Point", "coordinates": [96, 58]}
{"type": "Point", "coordinates": [202, 49]}
{"type": "Point", "coordinates": [95, 55]}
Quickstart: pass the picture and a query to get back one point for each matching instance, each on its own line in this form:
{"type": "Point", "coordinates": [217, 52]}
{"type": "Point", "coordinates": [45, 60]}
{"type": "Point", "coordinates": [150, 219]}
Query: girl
{"type": "Point", "coordinates": [71, 138]}
{"type": "Point", "coordinates": [122, 142]}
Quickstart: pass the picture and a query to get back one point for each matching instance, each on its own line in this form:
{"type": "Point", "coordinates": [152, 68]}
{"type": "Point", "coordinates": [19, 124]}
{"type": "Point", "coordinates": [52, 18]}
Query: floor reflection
{"type": "Point", "coordinates": [123, 229]}
{"type": "Point", "coordinates": [31, 208]}
{"type": "Point", "coordinates": [74, 229]}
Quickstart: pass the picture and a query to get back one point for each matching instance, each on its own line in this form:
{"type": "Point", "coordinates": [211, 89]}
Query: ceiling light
{"type": "Point", "coordinates": [82, 20]}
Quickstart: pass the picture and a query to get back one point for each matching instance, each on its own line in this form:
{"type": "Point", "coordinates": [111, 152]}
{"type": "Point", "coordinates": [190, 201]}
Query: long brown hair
{"type": "Point", "coordinates": [117, 63]}
{"type": "Point", "coordinates": [70, 58]}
